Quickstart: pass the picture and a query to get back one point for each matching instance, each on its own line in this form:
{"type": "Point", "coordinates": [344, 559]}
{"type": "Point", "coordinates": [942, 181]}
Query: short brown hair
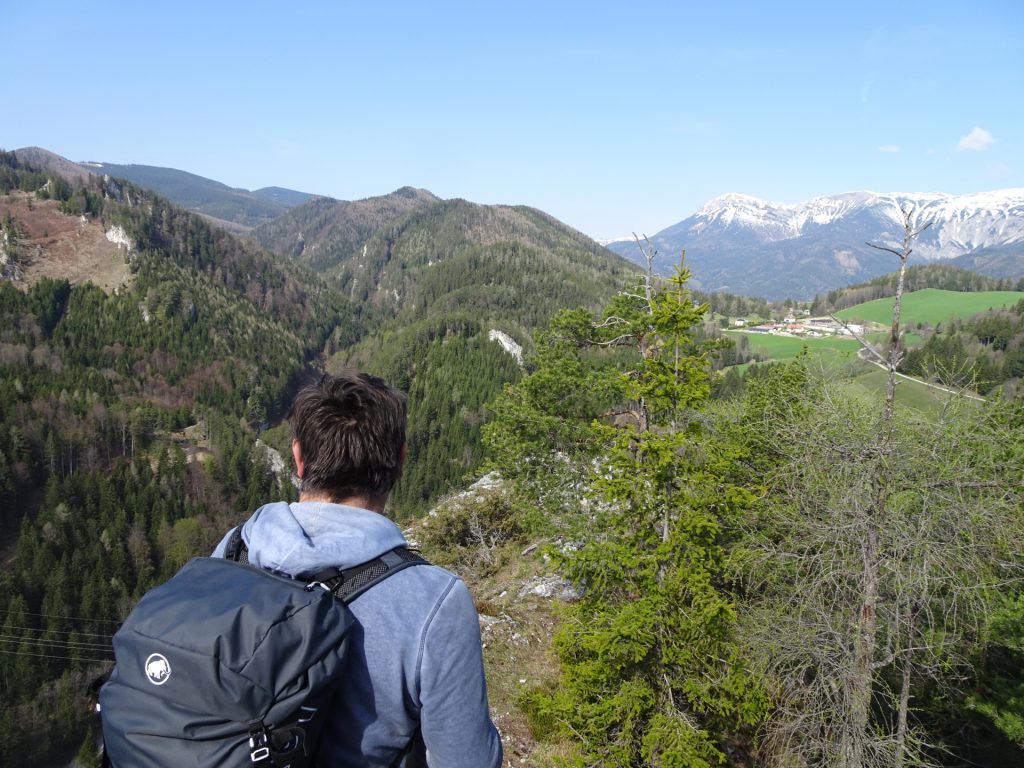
{"type": "Point", "coordinates": [350, 429]}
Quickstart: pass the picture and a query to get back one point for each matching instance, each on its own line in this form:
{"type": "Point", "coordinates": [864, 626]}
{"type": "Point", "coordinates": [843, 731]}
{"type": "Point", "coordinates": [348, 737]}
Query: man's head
{"type": "Point", "coordinates": [349, 432]}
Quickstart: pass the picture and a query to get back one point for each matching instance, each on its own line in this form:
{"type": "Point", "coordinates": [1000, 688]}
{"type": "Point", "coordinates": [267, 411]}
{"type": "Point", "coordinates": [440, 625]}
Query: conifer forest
{"type": "Point", "coordinates": [763, 563]}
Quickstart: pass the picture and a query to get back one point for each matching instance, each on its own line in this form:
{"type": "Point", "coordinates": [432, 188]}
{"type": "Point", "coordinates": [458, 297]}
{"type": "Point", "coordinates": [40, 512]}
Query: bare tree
{"type": "Point", "coordinates": [896, 336]}
{"type": "Point", "coordinates": [882, 543]}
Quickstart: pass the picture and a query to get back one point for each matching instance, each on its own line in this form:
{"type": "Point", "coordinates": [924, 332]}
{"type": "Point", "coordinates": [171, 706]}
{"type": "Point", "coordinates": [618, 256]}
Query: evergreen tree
{"type": "Point", "coordinates": [650, 673]}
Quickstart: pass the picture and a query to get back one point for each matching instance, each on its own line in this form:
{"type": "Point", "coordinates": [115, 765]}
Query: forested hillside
{"type": "Point", "coordinates": [322, 232]}
{"type": "Point", "coordinates": [438, 277]}
{"type": "Point", "coordinates": [128, 424]}
{"type": "Point", "coordinates": [132, 415]}
{"type": "Point", "coordinates": [442, 280]}
{"type": "Point", "coordinates": [211, 198]}
{"type": "Point", "coordinates": [983, 353]}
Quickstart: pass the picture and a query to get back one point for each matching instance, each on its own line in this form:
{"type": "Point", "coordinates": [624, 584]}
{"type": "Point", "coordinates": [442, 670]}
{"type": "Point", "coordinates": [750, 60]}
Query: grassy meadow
{"type": "Point", "coordinates": [909, 392]}
{"type": "Point", "coordinates": [788, 347]}
{"type": "Point", "coordinates": [931, 306]}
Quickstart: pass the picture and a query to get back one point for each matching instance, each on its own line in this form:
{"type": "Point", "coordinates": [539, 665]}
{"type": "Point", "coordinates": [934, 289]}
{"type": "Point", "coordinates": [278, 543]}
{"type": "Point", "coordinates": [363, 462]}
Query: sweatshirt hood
{"type": "Point", "coordinates": [303, 537]}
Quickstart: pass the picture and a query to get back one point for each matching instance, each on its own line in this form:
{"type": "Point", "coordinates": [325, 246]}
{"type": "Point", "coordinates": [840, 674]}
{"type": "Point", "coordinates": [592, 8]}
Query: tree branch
{"type": "Point", "coordinates": [863, 342]}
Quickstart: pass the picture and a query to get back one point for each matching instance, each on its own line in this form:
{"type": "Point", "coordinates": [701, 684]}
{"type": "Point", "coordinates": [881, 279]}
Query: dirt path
{"type": "Point", "coordinates": [862, 354]}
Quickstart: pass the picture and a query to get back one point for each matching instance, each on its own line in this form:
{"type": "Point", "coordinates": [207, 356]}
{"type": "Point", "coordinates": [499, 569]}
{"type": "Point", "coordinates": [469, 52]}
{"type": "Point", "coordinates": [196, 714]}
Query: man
{"type": "Point", "coordinates": [416, 674]}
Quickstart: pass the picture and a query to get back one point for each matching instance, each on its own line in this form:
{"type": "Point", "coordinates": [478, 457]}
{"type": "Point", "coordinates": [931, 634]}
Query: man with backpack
{"type": "Point", "coordinates": [414, 685]}
{"type": "Point", "coordinates": [313, 636]}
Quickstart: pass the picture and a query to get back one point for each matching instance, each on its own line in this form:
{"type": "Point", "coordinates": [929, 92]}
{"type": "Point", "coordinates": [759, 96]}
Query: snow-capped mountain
{"type": "Point", "coordinates": [741, 244]}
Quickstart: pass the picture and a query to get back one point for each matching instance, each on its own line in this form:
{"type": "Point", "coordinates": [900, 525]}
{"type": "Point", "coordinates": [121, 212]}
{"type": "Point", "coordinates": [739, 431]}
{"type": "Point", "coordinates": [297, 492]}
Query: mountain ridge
{"type": "Point", "coordinates": [234, 208]}
{"type": "Point", "coordinates": [322, 230]}
{"type": "Point", "coordinates": [944, 209]}
{"type": "Point", "coordinates": [207, 196]}
{"type": "Point", "coordinates": [747, 245]}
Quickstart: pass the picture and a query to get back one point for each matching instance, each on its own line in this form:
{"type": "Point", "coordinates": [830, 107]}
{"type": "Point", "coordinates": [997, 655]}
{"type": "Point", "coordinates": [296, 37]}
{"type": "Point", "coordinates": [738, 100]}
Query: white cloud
{"type": "Point", "coordinates": [978, 140]}
{"type": "Point", "coordinates": [889, 148]}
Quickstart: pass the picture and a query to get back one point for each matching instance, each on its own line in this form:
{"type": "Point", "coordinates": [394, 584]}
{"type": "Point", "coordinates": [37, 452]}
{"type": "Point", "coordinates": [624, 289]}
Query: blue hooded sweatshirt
{"type": "Point", "coordinates": [415, 654]}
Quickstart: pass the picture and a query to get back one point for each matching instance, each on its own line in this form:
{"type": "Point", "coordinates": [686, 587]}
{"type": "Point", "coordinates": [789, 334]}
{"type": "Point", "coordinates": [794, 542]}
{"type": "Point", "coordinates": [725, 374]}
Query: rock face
{"type": "Point", "coordinates": [276, 462]}
{"type": "Point", "coordinates": [119, 237]}
{"type": "Point", "coordinates": [744, 245]}
{"type": "Point", "coordinates": [507, 343]}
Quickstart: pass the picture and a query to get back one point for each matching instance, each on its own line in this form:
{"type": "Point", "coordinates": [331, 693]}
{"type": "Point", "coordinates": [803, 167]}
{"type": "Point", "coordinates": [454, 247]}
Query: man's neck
{"type": "Point", "coordinates": [371, 502]}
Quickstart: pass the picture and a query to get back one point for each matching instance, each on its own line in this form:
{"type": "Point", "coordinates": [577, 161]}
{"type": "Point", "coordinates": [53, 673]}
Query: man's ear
{"type": "Point", "coordinates": [300, 465]}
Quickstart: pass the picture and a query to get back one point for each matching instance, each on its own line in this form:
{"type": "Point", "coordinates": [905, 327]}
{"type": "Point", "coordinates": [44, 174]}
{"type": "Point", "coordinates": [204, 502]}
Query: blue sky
{"type": "Point", "coordinates": [613, 117]}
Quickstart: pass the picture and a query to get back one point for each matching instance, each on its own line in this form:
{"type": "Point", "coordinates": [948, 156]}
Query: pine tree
{"type": "Point", "coordinates": [650, 674]}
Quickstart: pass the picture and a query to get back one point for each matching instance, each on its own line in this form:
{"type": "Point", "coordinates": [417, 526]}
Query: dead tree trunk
{"type": "Point", "coordinates": [865, 647]}
{"type": "Point", "coordinates": [895, 335]}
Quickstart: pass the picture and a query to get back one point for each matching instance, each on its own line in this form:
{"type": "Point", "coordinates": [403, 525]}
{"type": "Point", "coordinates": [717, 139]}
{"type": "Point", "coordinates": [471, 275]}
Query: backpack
{"type": "Point", "coordinates": [227, 664]}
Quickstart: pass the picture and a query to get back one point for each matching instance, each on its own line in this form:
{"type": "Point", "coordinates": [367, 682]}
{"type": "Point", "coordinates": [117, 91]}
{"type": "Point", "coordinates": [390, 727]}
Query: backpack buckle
{"type": "Point", "coordinates": [259, 750]}
{"type": "Point", "coordinates": [327, 579]}
{"type": "Point", "coordinates": [258, 755]}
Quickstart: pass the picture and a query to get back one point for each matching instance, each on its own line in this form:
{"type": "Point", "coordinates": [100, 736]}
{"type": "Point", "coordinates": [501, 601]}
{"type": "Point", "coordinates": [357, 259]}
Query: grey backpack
{"type": "Point", "coordinates": [226, 664]}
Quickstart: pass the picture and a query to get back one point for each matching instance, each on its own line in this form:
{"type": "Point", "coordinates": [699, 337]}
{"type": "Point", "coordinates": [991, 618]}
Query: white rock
{"type": "Point", "coordinates": [550, 587]}
{"type": "Point", "coordinates": [507, 343]}
{"type": "Point", "coordinates": [119, 237]}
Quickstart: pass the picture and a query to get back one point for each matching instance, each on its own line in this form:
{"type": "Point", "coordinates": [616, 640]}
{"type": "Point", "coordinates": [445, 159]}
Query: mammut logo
{"type": "Point", "coordinates": [158, 669]}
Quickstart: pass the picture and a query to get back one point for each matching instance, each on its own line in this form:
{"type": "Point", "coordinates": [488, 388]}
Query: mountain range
{"type": "Point", "coordinates": [744, 245]}
{"type": "Point", "coordinates": [211, 198]}
{"type": "Point", "coordinates": [735, 243]}
{"type": "Point", "coordinates": [233, 208]}
{"type": "Point", "coordinates": [412, 287]}
{"type": "Point", "coordinates": [146, 351]}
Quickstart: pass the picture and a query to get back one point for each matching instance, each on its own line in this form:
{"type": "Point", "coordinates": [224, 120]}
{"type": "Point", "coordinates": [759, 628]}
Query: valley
{"type": "Point", "coordinates": [627, 548]}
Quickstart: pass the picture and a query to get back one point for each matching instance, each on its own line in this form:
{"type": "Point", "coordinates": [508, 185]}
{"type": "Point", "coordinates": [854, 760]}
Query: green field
{"type": "Point", "coordinates": [787, 347]}
{"type": "Point", "coordinates": [834, 354]}
{"type": "Point", "coordinates": [931, 306]}
{"type": "Point", "coordinates": [912, 393]}
{"type": "Point", "coordinates": [831, 353]}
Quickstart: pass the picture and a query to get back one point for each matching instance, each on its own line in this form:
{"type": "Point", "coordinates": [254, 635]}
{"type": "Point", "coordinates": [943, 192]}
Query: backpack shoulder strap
{"type": "Point", "coordinates": [347, 584]}
{"type": "Point", "coordinates": [350, 583]}
{"type": "Point", "coordinates": [236, 549]}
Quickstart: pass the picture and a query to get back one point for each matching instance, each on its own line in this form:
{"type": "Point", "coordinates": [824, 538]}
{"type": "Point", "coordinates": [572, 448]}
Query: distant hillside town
{"type": "Point", "coordinates": [799, 323]}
